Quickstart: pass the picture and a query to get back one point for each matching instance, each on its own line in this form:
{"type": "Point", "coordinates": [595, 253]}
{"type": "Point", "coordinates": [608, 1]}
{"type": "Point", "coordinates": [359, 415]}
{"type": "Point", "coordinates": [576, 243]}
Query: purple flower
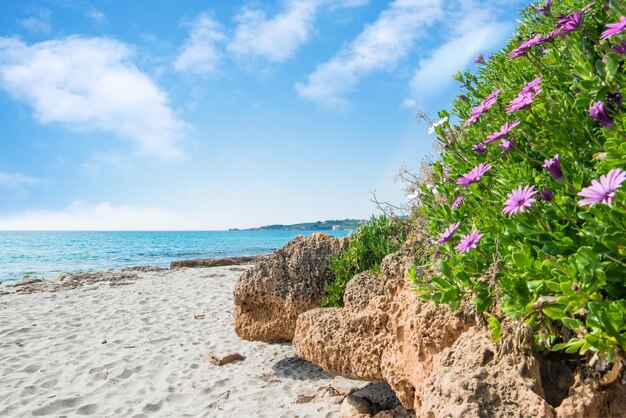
{"type": "Point", "coordinates": [437, 255]}
{"type": "Point", "coordinates": [506, 145]}
{"type": "Point", "coordinates": [554, 167]}
{"type": "Point", "coordinates": [545, 9]}
{"type": "Point", "coordinates": [479, 148]}
{"type": "Point", "coordinates": [619, 48]}
{"type": "Point", "coordinates": [483, 106]}
{"type": "Point", "coordinates": [491, 56]}
{"type": "Point", "coordinates": [546, 194]}
{"type": "Point", "coordinates": [519, 199]}
{"type": "Point", "coordinates": [569, 23]}
{"type": "Point", "coordinates": [480, 59]}
{"type": "Point", "coordinates": [474, 175]}
{"type": "Point", "coordinates": [602, 191]}
{"type": "Point", "coordinates": [457, 202]}
{"type": "Point", "coordinates": [526, 96]}
{"type": "Point", "coordinates": [446, 235]}
{"type": "Point", "coordinates": [469, 241]}
{"type": "Point", "coordinates": [614, 28]}
{"type": "Point", "coordinates": [525, 46]}
{"type": "Point", "coordinates": [599, 113]}
{"type": "Point", "coordinates": [504, 131]}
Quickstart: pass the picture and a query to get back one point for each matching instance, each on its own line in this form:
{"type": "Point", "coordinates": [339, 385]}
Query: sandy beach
{"type": "Point", "coordinates": [139, 348]}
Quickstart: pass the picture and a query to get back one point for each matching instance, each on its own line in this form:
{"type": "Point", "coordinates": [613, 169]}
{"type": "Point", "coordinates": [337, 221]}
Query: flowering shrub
{"type": "Point", "coordinates": [533, 227]}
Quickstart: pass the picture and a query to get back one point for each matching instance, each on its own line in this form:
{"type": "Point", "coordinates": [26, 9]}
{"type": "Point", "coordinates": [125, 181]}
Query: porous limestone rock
{"type": "Point", "coordinates": [270, 296]}
{"type": "Point", "coordinates": [469, 380]}
{"type": "Point", "coordinates": [354, 405]}
{"type": "Point", "coordinates": [393, 337]}
{"type": "Point", "coordinates": [590, 400]}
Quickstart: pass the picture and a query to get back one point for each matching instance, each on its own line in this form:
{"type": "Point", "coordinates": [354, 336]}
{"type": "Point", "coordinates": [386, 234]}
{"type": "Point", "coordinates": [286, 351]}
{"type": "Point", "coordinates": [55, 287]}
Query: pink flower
{"type": "Point", "coordinates": [602, 191]}
{"type": "Point", "coordinates": [525, 46]}
{"type": "Point", "coordinates": [526, 96]}
{"type": "Point", "coordinates": [482, 107]}
{"type": "Point", "coordinates": [504, 131]}
{"type": "Point", "coordinates": [614, 28]}
{"type": "Point", "coordinates": [519, 199]}
{"type": "Point", "coordinates": [479, 148]}
{"type": "Point", "coordinates": [446, 235]}
{"type": "Point", "coordinates": [506, 145]}
{"type": "Point", "coordinates": [474, 175]}
{"type": "Point", "coordinates": [469, 241]}
{"type": "Point", "coordinates": [457, 202]}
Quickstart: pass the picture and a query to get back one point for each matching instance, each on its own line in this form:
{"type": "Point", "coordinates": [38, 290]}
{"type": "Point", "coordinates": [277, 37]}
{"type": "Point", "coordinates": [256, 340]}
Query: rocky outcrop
{"type": "Point", "coordinates": [590, 400]}
{"type": "Point", "coordinates": [383, 333]}
{"type": "Point", "coordinates": [216, 262]}
{"type": "Point", "coordinates": [270, 296]}
{"type": "Point", "coordinates": [469, 380]}
{"type": "Point", "coordinates": [70, 281]}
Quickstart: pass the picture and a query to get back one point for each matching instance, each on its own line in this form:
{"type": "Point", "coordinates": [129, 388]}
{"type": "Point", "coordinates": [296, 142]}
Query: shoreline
{"type": "Point", "coordinates": [136, 343]}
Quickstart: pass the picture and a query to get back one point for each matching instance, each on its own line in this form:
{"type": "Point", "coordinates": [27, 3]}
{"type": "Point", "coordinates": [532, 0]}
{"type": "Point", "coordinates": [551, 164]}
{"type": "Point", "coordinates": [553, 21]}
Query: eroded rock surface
{"type": "Point", "coordinates": [393, 337]}
{"type": "Point", "coordinates": [270, 296]}
{"type": "Point", "coordinates": [469, 380]}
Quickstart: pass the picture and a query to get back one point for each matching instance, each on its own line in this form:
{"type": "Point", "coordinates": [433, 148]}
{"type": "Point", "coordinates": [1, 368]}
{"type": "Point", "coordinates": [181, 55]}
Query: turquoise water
{"type": "Point", "coordinates": [47, 254]}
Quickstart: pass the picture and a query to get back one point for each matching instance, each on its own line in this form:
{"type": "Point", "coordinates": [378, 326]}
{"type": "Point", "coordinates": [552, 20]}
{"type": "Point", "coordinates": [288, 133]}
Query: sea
{"type": "Point", "coordinates": [48, 254]}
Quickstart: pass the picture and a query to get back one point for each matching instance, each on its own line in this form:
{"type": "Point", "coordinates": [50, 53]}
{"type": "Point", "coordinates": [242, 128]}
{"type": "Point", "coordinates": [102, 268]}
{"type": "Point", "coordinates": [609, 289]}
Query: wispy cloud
{"type": "Point", "coordinates": [201, 54]}
{"type": "Point", "coordinates": [39, 21]}
{"type": "Point", "coordinates": [275, 39]}
{"type": "Point", "coordinates": [103, 216]}
{"type": "Point", "coordinates": [474, 30]}
{"type": "Point", "coordinates": [91, 85]}
{"type": "Point", "coordinates": [96, 15]}
{"type": "Point", "coordinates": [380, 46]}
{"type": "Point", "coordinates": [15, 180]}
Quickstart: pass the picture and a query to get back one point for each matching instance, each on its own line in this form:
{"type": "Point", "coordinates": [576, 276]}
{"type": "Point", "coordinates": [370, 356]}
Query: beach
{"type": "Point", "coordinates": [142, 347]}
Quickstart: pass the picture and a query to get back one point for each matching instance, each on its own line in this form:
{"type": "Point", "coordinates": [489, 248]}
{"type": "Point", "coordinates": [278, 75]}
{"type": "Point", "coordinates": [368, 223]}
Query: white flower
{"type": "Point", "coordinates": [441, 121]}
{"type": "Point", "coordinates": [414, 195]}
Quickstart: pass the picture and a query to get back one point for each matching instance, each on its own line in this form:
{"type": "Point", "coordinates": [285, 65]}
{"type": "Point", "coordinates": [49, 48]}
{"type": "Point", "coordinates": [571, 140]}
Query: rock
{"type": "Point", "coordinates": [270, 296]}
{"type": "Point", "coordinates": [221, 361]}
{"type": "Point", "coordinates": [353, 405]}
{"type": "Point", "coordinates": [345, 386]}
{"type": "Point", "coordinates": [362, 288]}
{"type": "Point", "coordinates": [28, 280]}
{"type": "Point", "coordinates": [312, 395]}
{"type": "Point", "coordinates": [380, 396]}
{"type": "Point", "coordinates": [589, 400]}
{"type": "Point", "coordinates": [216, 262]}
{"type": "Point", "coordinates": [468, 380]}
{"type": "Point", "coordinates": [397, 412]}
{"type": "Point", "coordinates": [392, 338]}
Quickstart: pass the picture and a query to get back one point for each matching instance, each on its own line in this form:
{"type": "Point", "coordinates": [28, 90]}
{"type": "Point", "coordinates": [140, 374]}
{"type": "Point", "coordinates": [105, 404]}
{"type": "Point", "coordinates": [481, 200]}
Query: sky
{"type": "Point", "coordinates": [204, 115]}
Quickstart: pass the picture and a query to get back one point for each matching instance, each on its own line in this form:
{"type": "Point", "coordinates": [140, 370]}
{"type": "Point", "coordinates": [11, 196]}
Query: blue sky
{"type": "Point", "coordinates": [163, 114]}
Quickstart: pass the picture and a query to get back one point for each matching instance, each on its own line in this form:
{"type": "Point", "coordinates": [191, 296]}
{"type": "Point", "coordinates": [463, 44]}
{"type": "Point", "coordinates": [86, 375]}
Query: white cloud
{"type": "Point", "coordinates": [103, 216]}
{"type": "Point", "coordinates": [378, 47]}
{"type": "Point", "coordinates": [38, 22]}
{"type": "Point", "coordinates": [91, 85]}
{"type": "Point", "coordinates": [13, 180]}
{"type": "Point", "coordinates": [274, 39]}
{"type": "Point", "coordinates": [476, 33]}
{"type": "Point", "coordinates": [409, 103]}
{"type": "Point", "coordinates": [96, 15]}
{"type": "Point", "coordinates": [200, 53]}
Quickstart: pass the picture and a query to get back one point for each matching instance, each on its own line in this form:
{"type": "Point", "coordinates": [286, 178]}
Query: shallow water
{"type": "Point", "coordinates": [50, 253]}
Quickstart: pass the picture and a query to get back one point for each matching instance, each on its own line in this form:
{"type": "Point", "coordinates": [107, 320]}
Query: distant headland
{"type": "Point", "coordinates": [330, 225]}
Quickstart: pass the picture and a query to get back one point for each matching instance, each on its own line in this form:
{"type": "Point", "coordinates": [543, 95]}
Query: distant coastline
{"type": "Point", "coordinates": [329, 225]}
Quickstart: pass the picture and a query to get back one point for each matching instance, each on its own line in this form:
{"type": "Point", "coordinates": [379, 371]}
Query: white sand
{"type": "Point", "coordinates": [54, 359]}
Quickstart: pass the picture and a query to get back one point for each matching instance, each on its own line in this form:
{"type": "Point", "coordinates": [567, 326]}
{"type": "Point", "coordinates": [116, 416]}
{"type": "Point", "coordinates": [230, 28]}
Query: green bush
{"type": "Point", "coordinates": [373, 241]}
{"type": "Point", "coordinates": [528, 214]}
